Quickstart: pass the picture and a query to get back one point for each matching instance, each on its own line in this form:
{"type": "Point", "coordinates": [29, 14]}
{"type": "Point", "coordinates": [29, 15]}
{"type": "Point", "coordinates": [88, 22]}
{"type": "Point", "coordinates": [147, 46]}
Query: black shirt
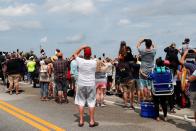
{"type": "Point", "coordinates": [129, 57]}
{"type": "Point", "coordinates": [172, 54]}
{"type": "Point", "coordinates": [13, 66]}
{"type": "Point", "coordinates": [124, 71]}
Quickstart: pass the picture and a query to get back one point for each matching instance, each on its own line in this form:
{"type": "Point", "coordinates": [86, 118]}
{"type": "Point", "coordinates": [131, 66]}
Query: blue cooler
{"type": "Point", "coordinates": [147, 110]}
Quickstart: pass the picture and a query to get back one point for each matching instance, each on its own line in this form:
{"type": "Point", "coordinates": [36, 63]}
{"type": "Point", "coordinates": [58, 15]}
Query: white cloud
{"type": "Point", "coordinates": [6, 25]}
{"type": "Point", "coordinates": [123, 22]}
{"type": "Point", "coordinates": [126, 22]}
{"type": "Point", "coordinates": [7, 1]}
{"type": "Point", "coordinates": [141, 25]}
{"type": "Point", "coordinates": [162, 8]}
{"type": "Point", "coordinates": [18, 10]}
{"type": "Point", "coordinates": [75, 39]}
{"type": "Point", "coordinates": [103, 0]}
{"type": "Point", "coordinates": [28, 25]}
{"type": "Point", "coordinates": [44, 39]}
{"type": "Point", "coordinates": [79, 6]}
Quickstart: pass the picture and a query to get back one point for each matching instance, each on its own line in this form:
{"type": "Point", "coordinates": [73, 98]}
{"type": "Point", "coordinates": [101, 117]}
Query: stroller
{"type": "Point", "coordinates": [162, 82]}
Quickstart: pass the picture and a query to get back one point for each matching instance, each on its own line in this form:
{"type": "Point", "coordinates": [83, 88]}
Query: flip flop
{"type": "Point", "coordinates": [80, 124]}
{"type": "Point", "coordinates": [95, 124]}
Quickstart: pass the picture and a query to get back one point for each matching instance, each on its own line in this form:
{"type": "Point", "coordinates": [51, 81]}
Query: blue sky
{"type": "Point", "coordinates": [67, 24]}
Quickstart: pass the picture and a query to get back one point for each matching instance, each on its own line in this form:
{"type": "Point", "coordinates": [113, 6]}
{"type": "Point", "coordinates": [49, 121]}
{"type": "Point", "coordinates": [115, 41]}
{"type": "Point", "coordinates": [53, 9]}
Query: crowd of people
{"type": "Point", "coordinates": [89, 78]}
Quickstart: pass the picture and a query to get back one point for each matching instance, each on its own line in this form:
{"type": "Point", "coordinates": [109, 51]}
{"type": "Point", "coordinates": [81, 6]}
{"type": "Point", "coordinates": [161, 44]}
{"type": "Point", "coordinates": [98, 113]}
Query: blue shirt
{"type": "Point", "coordinates": [74, 68]}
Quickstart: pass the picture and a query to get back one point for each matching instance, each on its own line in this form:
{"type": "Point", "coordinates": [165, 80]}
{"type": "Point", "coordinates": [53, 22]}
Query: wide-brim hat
{"type": "Point", "coordinates": [54, 58]}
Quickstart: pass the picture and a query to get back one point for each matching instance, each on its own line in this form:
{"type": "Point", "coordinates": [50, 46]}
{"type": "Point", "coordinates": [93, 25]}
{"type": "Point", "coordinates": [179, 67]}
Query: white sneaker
{"type": "Point", "coordinates": [103, 105]}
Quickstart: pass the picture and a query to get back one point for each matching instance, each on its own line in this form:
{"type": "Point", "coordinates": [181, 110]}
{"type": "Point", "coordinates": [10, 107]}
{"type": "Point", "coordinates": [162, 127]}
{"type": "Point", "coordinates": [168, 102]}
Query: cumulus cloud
{"type": "Point", "coordinates": [18, 10]}
{"type": "Point", "coordinates": [44, 39]}
{"type": "Point", "coordinates": [126, 22]}
{"type": "Point", "coordinates": [75, 39]}
{"type": "Point", "coordinates": [141, 25]}
{"type": "Point", "coordinates": [79, 6]}
{"type": "Point", "coordinates": [6, 25]}
{"type": "Point", "coordinates": [162, 7]}
{"type": "Point", "coordinates": [103, 0]}
{"type": "Point", "coordinates": [6, 0]}
{"type": "Point", "coordinates": [123, 22]}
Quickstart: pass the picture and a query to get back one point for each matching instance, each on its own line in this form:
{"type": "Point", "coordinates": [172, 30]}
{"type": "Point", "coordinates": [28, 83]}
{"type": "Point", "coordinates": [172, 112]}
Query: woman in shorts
{"type": "Point", "coordinates": [101, 82]}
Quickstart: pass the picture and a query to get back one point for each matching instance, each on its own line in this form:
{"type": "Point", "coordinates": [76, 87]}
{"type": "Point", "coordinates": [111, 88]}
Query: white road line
{"type": "Point", "coordinates": [170, 115]}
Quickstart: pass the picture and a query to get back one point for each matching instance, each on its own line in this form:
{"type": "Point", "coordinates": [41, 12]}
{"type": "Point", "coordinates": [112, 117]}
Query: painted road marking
{"type": "Point", "coordinates": [32, 123]}
{"type": "Point", "coordinates": [37, 119]}
{"type": "Point", "coordinates": [170, 115]}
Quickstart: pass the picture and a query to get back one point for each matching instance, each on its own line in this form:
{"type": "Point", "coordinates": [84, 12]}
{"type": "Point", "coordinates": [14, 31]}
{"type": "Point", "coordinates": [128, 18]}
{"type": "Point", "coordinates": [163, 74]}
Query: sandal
{"type": "Point", "coordinates": [172, 111]}
{"type": "Point", "coordinates": [93, 125]}
{"type": "Point", "coordinates": [66, 100]}
{"type": "Point", "coordinates": [80, 124]}
{"type": "Point", "coordinates": [158, 119]}
{"type": "Point", "coordinates": [46, 99]}
{"type": "Point", "coordinates": [132, 108]}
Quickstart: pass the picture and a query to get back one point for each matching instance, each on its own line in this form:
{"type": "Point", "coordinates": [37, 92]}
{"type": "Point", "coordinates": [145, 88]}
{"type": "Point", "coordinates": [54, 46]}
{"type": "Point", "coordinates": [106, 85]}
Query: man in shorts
{"type": "Point", "coordinates": [60, 70]}
{"type": "Point", "coordinates": [147, 64]}
{"type": "Point", "coordinates": [14, 73]}
{"type": "Point", "coordinates": [86, 90]}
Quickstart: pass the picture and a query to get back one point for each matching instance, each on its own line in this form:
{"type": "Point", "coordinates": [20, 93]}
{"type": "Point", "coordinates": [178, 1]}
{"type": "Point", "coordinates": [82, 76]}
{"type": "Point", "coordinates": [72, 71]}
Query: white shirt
{"type": "Point", "coordinates": [86, 72]}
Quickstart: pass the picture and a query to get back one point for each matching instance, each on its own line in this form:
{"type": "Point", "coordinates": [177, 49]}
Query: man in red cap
{"type": "Point", "coordinates": [87, 52]}
{"type": "Point", "coordinates": [86, 91]}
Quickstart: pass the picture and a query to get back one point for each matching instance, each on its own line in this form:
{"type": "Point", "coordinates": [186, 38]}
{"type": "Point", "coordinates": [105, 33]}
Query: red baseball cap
{"type": "Point", "coordinates": [87, 52]}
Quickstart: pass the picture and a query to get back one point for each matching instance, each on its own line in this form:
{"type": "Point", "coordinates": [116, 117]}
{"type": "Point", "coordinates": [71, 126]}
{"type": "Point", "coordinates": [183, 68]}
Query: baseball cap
{"type": "Point", "coordinates": [87, 52]}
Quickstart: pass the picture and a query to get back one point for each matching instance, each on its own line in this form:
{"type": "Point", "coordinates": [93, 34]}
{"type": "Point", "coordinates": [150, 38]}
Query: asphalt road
{"type": "Point", "coordinates": [25, 112]}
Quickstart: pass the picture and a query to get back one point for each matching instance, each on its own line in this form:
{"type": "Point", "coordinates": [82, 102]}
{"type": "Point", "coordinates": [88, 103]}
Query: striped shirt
{"type": "Point", "coordinates": [191, 67]}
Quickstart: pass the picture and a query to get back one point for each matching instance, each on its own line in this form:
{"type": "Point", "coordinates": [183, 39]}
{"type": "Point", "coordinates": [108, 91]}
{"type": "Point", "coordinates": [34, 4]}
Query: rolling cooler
{"type": "Point", "coordinates": [147, 110]}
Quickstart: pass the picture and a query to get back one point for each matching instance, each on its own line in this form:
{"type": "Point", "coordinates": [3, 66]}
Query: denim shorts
{"type": "Point", "coordinates": [145, 84]}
